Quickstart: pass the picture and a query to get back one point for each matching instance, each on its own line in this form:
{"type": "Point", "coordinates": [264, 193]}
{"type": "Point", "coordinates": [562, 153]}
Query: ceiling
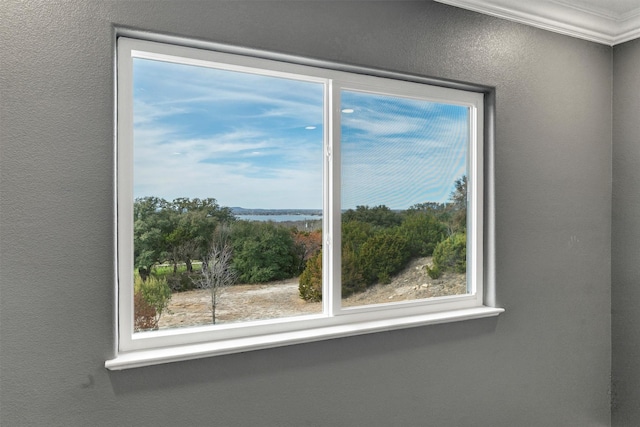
{"type": "Point", "coordinates": [603, 21]}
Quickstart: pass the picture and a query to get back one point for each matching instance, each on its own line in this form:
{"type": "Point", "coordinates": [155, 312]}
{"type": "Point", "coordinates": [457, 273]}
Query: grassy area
{"type": "Point", "coordinates": [181, 281]}
{"type": "Point", "coordinates": [163, 270]}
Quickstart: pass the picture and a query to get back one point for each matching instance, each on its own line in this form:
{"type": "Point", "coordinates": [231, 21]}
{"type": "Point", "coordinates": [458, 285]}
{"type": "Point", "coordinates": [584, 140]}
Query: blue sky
{"type": "Point", "coordinates": [398, 151]}
{"type": "Point", "coordinates": [256, 142]}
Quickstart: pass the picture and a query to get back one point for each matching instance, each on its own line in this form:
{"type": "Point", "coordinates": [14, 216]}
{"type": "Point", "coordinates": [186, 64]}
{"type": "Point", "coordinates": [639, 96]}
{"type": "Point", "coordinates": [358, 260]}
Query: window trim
{"type": "Point", "coordinates": [148, 348]}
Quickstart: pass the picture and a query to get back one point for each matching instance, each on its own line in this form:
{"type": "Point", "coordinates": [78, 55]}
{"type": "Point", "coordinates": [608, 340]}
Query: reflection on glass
{"type": "Point", "coordinates": [404, 184]}
{"type": "Point", "coordinates": [228, 194]}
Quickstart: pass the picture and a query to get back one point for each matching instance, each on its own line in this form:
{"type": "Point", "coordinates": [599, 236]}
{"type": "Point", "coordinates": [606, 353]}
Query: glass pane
{"type": "Point", "coordinates": [228, 194]}
{"type": "Point", "coordinates": [404, 202]}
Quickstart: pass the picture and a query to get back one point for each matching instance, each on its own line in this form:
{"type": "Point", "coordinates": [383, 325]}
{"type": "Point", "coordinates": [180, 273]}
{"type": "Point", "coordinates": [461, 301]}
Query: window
{"type": "Point", "coordinates": [265, 201]}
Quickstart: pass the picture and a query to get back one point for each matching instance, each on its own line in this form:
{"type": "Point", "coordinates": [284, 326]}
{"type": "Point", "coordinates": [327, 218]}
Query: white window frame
{"type": "Point", "coordinates": [162, 346]}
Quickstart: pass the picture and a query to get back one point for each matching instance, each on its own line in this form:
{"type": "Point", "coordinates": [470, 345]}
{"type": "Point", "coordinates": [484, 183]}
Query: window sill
{"type": "Point", "coordinates": [140, 358]}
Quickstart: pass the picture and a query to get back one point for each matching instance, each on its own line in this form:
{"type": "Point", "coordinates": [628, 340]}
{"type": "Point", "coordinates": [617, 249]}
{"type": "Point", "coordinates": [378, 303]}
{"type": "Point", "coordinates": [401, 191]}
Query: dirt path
{"type": "Point", "coordinates": [412, 283]}
{"type": "Point", "coordinates": [238, 303]}
{"type": "Point", "coordinates": [281, 299]}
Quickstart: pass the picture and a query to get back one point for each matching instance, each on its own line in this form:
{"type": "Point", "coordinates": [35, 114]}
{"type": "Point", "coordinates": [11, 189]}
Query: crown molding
{"type": "Point", "coordinates": [597, 26]}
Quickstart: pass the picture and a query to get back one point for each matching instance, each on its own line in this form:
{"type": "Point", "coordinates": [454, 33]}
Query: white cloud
{"type": "Point", "coordinates": [198, 136]}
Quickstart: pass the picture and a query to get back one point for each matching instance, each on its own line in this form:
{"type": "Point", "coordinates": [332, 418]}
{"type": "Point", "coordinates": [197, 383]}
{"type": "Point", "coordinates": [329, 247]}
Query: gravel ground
{"type": "Point", "coordinates": [281, 299]}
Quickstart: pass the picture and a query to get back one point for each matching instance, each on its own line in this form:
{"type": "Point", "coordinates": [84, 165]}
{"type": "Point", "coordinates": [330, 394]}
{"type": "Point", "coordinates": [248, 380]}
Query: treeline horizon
{"type": "Point", "coordinates": [377, 242]}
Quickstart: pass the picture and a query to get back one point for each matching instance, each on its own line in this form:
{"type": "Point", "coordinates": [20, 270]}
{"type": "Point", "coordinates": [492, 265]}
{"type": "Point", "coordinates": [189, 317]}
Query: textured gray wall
{"type": "Point", "coordinates": [625, 262]}
{"type": "Point", "coordinates": [545, 362]}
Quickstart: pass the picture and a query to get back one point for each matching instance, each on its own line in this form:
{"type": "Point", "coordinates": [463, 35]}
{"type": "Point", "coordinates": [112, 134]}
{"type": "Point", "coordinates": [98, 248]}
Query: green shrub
{"type": "Point", "coordinates": [451, 254]}
{"type": "Point", "coordinates": [306, 244]}
{"type": "Point", "coordinates": [384, 255]}
{"type": "Point", "coordinates": [352, 271]}
{"type": "Point", "coordinates": [424, 231]}
{"type": "Point", "coordinates": [259, 273]}
{"type": "Point", "coordinates": [155, 293]}
{"type": "Point", "coordinates": [434, 272]}
{"type": "Point", "coordinates": [163, 270]}
{"type": "Point", "coordinates": [355, 233]}
{"type": "Point", "coordinates": [167, 271]}
{"type": "Point", "coordinates": [310, 285]}
{"type": "Point", "coordinates": [262, 251]}
{"type": "Point", "coordinates": [182, 282]}
{"type": "Point", "coordinates": [144, 315]}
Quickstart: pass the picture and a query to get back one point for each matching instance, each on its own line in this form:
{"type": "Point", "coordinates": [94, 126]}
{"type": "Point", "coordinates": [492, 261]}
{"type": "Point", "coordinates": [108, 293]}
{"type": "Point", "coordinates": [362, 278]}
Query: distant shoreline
{"type": "Point", "coordinates": [278, 217]}
{"type": "Point", "coordinates": [260, 211]}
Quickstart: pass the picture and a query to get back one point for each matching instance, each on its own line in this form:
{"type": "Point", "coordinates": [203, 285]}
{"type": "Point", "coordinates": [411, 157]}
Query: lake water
{"type": "Point", "coordinates": [279, 218]}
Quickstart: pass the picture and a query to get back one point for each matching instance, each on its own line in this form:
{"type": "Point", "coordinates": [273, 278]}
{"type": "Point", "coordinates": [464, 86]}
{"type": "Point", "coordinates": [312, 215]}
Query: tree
{"type": "Point", "coordinates": [459, 205]}
{"type": "Point", "coordinates": [380, 216]}
{"type": "Point", "coordinates": [193, 221]}
{"type": "Point", "coordinates": [217, 272]}
{"type": "Point", "coordinates": [262, 251]}
{"type": "Point", "coordinates": [177, 231]}
{"type": "Point", "coordinates": [151, 224]}
{"type": "Point", "coordinates": [441, 211]}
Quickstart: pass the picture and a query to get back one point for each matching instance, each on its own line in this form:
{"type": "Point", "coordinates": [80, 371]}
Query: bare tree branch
{"type": "Point", "coordinates": [217, 272]}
